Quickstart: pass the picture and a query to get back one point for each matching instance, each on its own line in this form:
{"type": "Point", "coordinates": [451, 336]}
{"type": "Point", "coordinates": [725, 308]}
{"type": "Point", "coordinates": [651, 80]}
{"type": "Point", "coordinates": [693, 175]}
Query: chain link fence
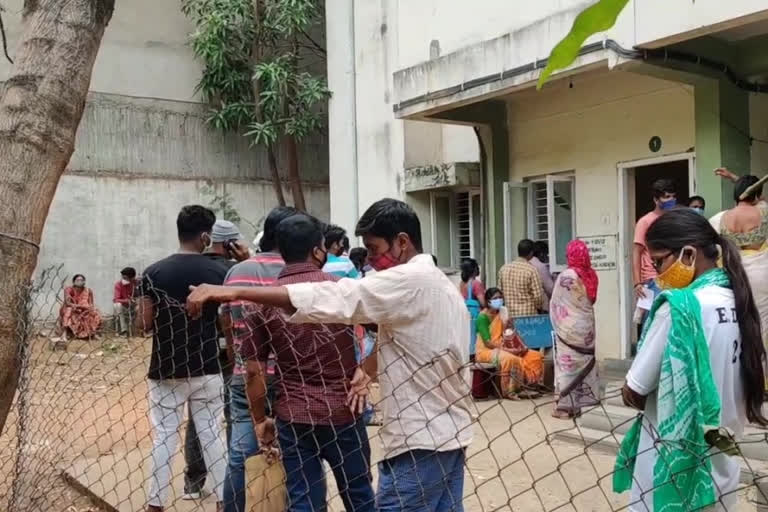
{"type": "Point", "coordinates": [78, 437]}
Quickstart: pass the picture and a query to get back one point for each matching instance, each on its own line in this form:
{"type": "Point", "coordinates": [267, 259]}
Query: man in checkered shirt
{"type": "Point", "coordinates": [520, 283]}
{"type": "Point", "coordinates": [314, 365]}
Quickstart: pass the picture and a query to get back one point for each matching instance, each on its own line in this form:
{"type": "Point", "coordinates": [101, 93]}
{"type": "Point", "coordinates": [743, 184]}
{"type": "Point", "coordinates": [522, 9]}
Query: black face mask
{"type": "Point", "coordinates": [323, 261]}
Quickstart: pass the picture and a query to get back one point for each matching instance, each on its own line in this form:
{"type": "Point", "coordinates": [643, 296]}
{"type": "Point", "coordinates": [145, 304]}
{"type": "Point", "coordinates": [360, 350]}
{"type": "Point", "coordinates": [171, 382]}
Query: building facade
{"type": "Point", "coordinates": [673, 90]}
{"type": "Point", "coordinates": [143, 150]}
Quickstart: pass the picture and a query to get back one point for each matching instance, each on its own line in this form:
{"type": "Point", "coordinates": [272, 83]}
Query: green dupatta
{"type": "Point", "coordinates": [688, 406]}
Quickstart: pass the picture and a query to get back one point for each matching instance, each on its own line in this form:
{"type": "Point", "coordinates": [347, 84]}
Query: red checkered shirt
{"type": "Point", "coordinates": [314, 362]}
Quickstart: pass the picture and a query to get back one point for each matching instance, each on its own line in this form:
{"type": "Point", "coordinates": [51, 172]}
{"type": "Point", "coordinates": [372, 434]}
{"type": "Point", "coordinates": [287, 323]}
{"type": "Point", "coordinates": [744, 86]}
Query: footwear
{"type": "Point", "coordinates": [195, 496]}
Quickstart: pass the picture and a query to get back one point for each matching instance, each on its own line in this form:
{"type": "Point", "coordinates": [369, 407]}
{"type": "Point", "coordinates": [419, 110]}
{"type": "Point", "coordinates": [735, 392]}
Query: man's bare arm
{"type": "Point", "coordinates": [256, 390]}
{"type": "Point", "coordinates": [632, 398]}
{"type": "Point", "coordinates": [145, 315]}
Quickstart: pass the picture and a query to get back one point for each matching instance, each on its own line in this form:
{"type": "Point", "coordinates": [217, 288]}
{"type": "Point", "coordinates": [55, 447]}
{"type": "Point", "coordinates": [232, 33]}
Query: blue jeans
{"type": "Point", "coordinates": [422, 481]}
{"type": "Point", "coordinates": [243, 444]}
{"type": "Point", "coordinates": [344, 447]}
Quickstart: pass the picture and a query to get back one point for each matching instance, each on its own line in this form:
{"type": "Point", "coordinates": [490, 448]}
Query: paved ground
{"type": "Point", "coordinates": [84, 412]}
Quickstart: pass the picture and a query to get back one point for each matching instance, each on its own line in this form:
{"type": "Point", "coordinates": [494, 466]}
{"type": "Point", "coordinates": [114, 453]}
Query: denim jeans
{"type": "Point", "coordinates": [422, 481]}
{"type": "Point", "coordinates": [243, 444]}
{"type": "Point", "coordinates": [344, 447]}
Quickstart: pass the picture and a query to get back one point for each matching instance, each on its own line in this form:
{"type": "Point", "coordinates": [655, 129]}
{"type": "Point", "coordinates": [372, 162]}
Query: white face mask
{"type": "Point", "coordinates": [125, 281]}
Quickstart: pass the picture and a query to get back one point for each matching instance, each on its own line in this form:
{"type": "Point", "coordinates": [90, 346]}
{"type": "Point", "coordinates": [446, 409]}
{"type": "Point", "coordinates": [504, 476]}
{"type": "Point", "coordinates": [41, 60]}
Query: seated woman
{"type": "Point", "coordinates": [499, 344]}
{"type": "Point", "coordinates": [78, 315]}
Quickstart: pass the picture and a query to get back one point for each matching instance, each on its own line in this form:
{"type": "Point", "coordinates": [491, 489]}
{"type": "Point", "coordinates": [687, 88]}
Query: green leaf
{"type": "Point", "coordinates": [596, 18]}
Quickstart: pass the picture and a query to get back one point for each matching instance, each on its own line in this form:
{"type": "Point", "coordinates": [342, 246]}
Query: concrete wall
{"type": "Point", "coordinates": [604, 119]}
{"type": "Point", "coordinates": [428, 143]}
{"type": "Point", "coordinates": [143, 150]}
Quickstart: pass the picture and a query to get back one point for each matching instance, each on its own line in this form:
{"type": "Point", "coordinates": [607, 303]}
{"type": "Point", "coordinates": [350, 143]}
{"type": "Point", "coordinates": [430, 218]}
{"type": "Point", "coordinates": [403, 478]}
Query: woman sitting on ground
{"type": "Point", "coordinates": [78, 315]}
{"type": "Point", "coordinates": [498, 343]}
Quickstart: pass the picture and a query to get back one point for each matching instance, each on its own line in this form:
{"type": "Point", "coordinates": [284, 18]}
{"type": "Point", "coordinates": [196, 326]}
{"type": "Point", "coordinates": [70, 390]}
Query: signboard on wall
{"type": "Point", "coordinates": [602, 250]}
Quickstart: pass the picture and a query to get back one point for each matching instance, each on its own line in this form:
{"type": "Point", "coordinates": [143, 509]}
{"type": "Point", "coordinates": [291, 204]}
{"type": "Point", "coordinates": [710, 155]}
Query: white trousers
{"type": "Point", "coordinates": [167, 400]}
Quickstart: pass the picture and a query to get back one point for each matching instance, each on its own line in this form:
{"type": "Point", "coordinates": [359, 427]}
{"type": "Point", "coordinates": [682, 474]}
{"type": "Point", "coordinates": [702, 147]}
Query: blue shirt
{"type": "Point", "coordinates": [341, 267]}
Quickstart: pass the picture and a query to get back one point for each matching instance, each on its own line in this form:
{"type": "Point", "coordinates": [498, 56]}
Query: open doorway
{"type": "Point", "coordinates": [646, 175]}
{"type": "Point", "coordinates": [636, 199]}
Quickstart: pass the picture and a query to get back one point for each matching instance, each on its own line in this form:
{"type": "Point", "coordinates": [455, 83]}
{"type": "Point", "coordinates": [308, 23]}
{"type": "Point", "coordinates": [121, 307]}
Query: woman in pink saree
{"type": "Point", "coordinates": [78, 315]}
{"type": "Point", "coordinates": [573, 320]}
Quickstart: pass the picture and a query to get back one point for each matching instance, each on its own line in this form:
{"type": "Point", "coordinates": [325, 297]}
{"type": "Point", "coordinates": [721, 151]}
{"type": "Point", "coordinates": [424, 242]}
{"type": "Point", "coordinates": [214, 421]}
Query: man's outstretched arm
{"type": "Point", "coordinates": [268, 295]}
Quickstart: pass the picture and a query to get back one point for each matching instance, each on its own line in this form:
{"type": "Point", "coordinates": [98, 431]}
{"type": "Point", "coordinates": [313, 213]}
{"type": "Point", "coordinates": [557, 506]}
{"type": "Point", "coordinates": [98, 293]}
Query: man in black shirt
{"type": "Point", "coordinates": [226, 250]}
{"type": "Point", "coordinates": [184, 366]}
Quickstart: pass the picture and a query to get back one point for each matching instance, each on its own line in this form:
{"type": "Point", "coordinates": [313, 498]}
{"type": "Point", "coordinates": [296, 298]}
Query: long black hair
{"type": "Point", "coordinates": [679, 228]}
{"type": "Point", "coordinates": [742, 184]}
{"type": "Point", "coordinates": [469, 269]}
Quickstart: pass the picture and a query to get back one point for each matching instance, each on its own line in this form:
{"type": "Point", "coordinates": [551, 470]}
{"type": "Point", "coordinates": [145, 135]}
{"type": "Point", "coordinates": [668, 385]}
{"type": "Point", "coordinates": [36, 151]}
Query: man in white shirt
{"type": "Point", "coordinates": [422, 324]}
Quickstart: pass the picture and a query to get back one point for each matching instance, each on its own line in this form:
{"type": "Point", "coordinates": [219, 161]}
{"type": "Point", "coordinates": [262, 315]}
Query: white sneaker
{"type": "Point", "coordinates": [195, 496]}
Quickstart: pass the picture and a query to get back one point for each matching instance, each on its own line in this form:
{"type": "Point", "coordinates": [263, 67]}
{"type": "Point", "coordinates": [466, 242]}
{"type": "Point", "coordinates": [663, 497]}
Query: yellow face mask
{"type": "Point", "coordinates": [678, 275]}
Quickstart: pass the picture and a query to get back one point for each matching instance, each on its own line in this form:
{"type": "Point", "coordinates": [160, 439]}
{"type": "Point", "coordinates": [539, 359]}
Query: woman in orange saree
{"type": "Point", "coordinates": [78, 315]}
{"type": "Point", "coordinates": [521, 369]}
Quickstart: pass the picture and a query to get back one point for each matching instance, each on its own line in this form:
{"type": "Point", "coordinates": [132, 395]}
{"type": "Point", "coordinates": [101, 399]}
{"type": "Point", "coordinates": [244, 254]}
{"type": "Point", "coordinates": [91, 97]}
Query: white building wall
{"type": "Point", "coordinates": [604, 119]}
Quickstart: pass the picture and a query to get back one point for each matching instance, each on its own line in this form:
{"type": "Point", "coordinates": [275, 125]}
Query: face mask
{"type": "Point", "coordinates": [678, 275]}
{"type": "Point", "coordinates": [383, 261]}
{"type": "Point", "coordinates": [324, 259]}
{"type": "Point", "coordinates": [668, 204]}
{"type": "Point", "coordinates": [700, 211]}
{"type": "Point", "coordinates": [125, 281]}
{"type": "Point", "coordinates": [496, 304]}
{"type": "Point", "coordinates": [79, 283]}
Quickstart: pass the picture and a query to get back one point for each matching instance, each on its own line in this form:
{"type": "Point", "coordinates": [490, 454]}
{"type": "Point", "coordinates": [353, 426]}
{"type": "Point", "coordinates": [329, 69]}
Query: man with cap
{"type": "Point", "coordinates": [227, 249]}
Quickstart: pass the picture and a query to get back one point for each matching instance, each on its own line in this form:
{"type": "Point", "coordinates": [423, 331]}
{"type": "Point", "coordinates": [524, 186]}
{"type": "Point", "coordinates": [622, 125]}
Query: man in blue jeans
{"type": "Point", "coordinates": [314, 367]}
{"type": "Point", "coordinates": [260, 270]}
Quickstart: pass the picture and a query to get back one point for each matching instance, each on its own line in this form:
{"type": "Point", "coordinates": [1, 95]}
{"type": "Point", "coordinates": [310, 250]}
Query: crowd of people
{"type": "Point", "coordinates": [294, 336]}
{"type": "Point", "coordinates": [295, 333]}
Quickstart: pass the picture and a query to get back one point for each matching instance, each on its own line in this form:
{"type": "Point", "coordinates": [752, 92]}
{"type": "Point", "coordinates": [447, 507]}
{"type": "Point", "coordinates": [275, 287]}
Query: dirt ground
{"type": "Point", "coordinates": [89, 402]}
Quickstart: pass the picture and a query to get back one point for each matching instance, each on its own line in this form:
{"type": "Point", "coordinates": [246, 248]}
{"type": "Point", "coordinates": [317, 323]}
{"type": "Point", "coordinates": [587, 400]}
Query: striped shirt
{"type": "Point", "coordinates": [341, 267]}
{"type": "Point", "coordinates": [261, 270]}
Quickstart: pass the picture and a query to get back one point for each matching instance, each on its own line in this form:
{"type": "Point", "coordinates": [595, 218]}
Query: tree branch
{"type": "Point", "coordinates": [315, 44]}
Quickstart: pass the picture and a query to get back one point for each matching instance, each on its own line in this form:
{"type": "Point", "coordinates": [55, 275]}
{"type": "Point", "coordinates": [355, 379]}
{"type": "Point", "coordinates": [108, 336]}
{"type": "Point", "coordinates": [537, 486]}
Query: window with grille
{"type": "Point", "coordinates": [463, 226]}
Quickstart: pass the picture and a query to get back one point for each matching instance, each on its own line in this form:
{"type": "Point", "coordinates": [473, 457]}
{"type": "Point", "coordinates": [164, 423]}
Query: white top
{"type": "Point", "coordinates": [721, 330]}
{"type": "Point", "coordinates": [422, 349]}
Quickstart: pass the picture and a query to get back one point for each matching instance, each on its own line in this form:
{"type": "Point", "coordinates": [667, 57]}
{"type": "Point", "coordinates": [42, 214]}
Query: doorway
{"type": "Point", "coordinates": [646, 175]}
{"type": "Point", "coordinates": [635, 200]}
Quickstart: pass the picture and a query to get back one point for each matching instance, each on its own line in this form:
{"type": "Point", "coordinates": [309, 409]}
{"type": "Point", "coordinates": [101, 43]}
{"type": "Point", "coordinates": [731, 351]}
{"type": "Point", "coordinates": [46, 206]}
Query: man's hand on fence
{"type": "Point", "coordinates": [358, 393]}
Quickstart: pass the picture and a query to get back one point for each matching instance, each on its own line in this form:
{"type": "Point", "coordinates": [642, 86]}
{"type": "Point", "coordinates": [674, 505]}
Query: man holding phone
{"type": "Point", "coordinates": [227, 249]}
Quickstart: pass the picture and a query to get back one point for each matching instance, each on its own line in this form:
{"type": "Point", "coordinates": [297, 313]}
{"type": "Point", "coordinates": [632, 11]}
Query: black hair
{"type": "Point", "coordinates": [74, 278]}
{"type": "Point", "coordinates": [469, 269]}
{"type": "Point", "coordinates": [679, 228]}
{"type": "Point", "coordinates": [541, 250]}
{"type": "Point", "coordinates": [194, 220]}
{"type": "Point", "coordinates": [335, 234]}
{"type": "Point", "coordinates": [358, 256]}
{"type": "Point", "coordinates": [525, 248]}
{"type": "Point", "coordinates": [490, 292]}
{"type": "Point", "coordinates": [297, 236]}
{"type": "Point", "coordinates": [268, 242]}
{"type": "Point", "coordinates": [742, 184]}
{"type": "Point", "coordinates": [128, 272]}
{"type": "Point", "coordinates": [697, 198]}
{"type": "Point", "coordinates": [345, 243]}
{"type": "Point", "coordinates": [663, 186]}
{"type": "Point", "coordinates": [386, 218]}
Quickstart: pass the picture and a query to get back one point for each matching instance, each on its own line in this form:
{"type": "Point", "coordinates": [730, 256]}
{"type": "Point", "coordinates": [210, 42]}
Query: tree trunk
{"type": "Point", "coordinates": [40, 109]}
{"type": "Point", "coordinates": [292, 154]}
{"type": "Point", "coordinates": [256, 55]}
